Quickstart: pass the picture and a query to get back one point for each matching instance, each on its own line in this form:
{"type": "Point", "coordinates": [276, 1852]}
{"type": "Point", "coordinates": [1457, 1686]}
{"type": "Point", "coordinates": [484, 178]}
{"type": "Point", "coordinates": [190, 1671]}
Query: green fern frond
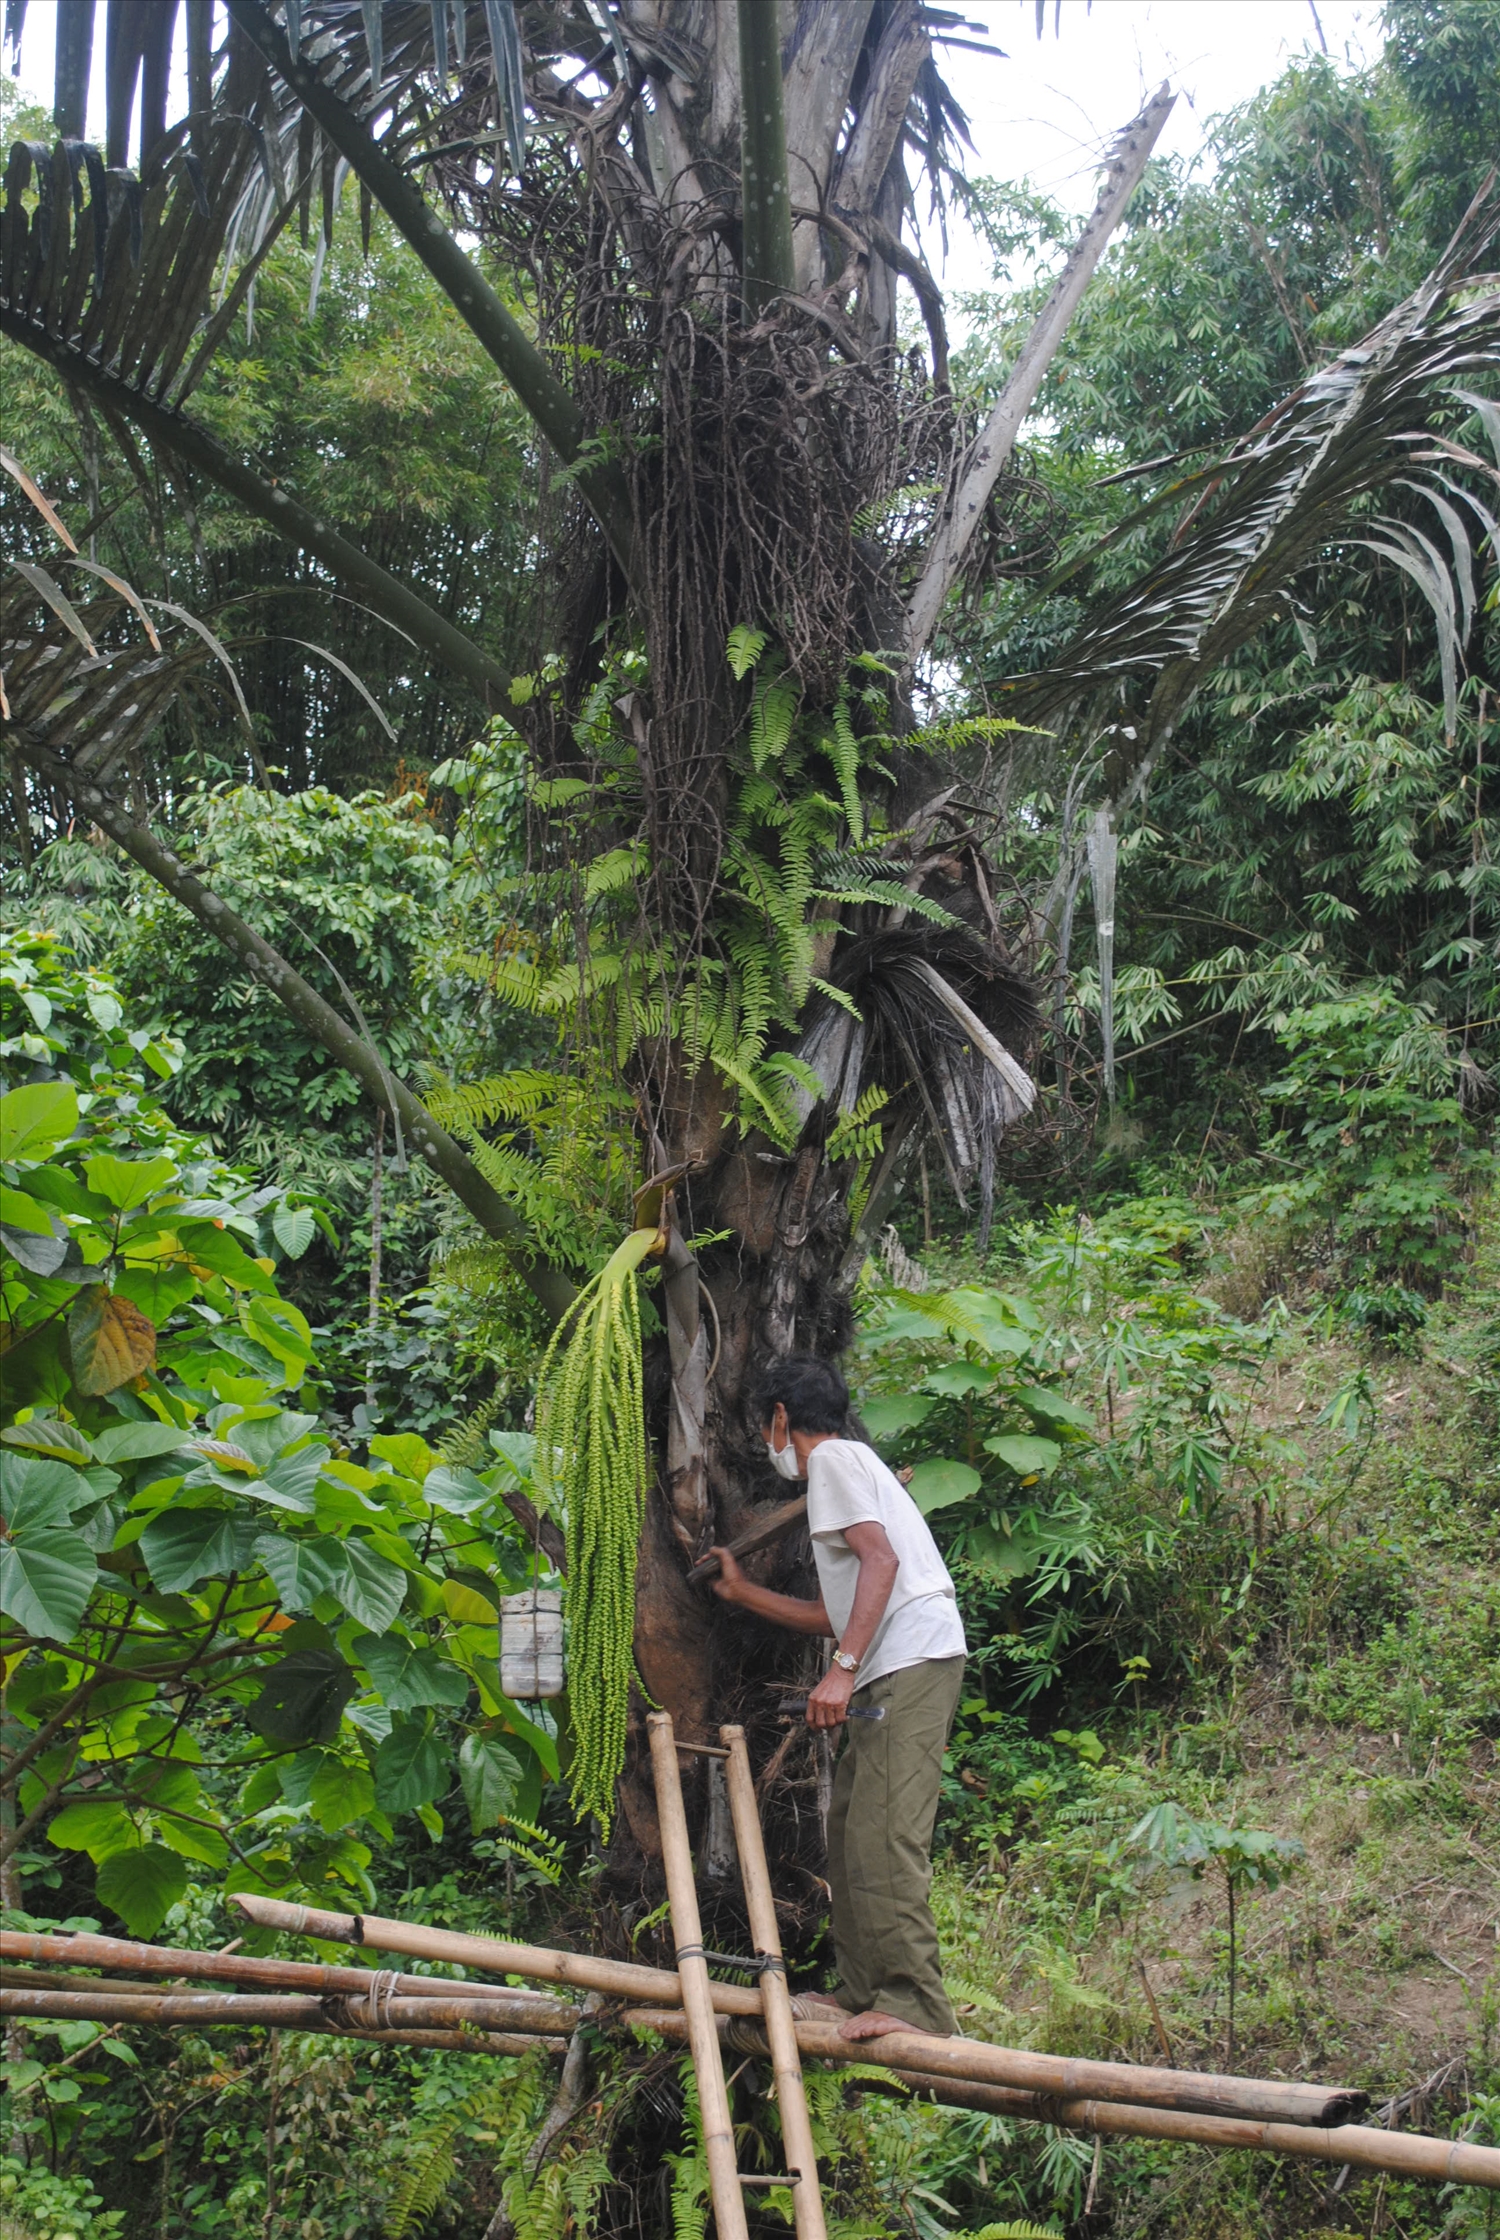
{"type": "Point", "coordinates": [463, 1447]}
{"type": "Point", "coordinates": [772, 715]}
{"type": "Point", "coordinates": [690, 2168]}
{"type": "Point", "coordinates": [842, 749]}
{"type": "Point", "coordinates": [422, 2187]}
{"type": "Point", "coordinates": [743, 649]}
{"type": "Point", "coordinates": [856, 1135]}
{"type": "Point", "coordinates": [1012, 2232]}
{"type": "Point", "coordinates": [541, 1850]}
{"type": "Point", "coordinates": [891, 895]}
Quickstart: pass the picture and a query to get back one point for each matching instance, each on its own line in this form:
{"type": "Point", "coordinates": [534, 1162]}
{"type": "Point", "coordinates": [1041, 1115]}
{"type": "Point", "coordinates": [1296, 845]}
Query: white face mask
{"type": "Point", "coordinates": [784, 1460]}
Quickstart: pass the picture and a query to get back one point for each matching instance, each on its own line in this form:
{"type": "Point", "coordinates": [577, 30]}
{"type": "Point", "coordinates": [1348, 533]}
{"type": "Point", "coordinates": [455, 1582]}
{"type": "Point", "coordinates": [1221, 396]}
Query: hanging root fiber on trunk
{"type": "Point", "coordinates": [592, 1464]}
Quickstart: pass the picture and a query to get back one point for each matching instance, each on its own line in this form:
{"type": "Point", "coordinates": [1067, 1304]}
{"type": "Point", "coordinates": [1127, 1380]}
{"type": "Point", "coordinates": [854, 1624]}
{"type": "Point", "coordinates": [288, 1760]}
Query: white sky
{"type": "Point", "coordinates": [1047, 110]}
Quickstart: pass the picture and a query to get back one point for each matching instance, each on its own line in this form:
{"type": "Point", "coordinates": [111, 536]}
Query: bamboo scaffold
{"type": "Point", "coordinates": [1103, 2099]}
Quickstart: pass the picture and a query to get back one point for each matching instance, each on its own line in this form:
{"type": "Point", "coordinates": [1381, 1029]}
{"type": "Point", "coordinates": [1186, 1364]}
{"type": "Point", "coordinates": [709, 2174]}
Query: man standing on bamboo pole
{"type": "Point", "coordinates": [888, 1603]}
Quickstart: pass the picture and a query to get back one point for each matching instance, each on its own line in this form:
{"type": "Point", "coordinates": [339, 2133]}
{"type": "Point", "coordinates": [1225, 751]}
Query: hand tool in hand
{"type": "Point", "coordinates": [855, 1710]}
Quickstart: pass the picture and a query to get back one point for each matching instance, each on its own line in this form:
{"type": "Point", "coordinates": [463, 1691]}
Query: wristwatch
{"type": "Point", "coordinates": [842, 1657]}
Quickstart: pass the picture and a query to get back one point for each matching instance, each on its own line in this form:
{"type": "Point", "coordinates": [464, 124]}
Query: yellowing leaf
{"type": "Point", "coordinates": [111, 1341]}
{"type": "Point", "coordinates": [466, 1606]}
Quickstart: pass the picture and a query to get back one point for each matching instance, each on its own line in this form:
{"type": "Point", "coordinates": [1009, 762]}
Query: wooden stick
{"type": "Point", "coordinates": [786, 2062]}
{"type": "Point", "coordinates": [241, 1967]}
{"type": "Point", "coordinates": [697, 1991]}
{"type": "Point", "coordinates": [418, 2021]}
{"type": "Point", "coordinates": [620, 1978]}
{"type": "Point", "coordinates": [974, 2062]}
{"type": "Point", "coordinates": [1404, 2154]}
{"type": "Point", "coordinates": [773, 1524]}
{"type": "Point", "coordinates": [1187, 2089]}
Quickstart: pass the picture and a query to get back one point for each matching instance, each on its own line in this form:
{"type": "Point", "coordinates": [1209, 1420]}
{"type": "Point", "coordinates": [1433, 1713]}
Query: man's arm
{"type": "Point", "coordinates": [828, 1704]}
{"type": "Point", "coordinates": [878, 1565]}
{"type": "Point", "coordinates": [786, 1610]}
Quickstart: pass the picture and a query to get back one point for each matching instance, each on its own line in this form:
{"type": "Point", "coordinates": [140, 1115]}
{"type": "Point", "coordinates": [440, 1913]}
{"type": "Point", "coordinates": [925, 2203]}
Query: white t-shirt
{"type": "Point", "coordinates": [849, 1484]}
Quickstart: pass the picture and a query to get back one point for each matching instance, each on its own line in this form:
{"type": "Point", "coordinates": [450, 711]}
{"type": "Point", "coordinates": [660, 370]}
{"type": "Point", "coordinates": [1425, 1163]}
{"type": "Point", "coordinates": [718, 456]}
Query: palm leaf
{"type": "Point", "coordinates": [1276, 503]}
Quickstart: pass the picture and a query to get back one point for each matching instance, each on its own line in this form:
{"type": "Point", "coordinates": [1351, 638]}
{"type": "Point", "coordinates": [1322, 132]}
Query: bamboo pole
{"type": "Point", "coordinates": [1186, 2089]}
{"type": "Point", "coordinates": [242, 1967]}
{"type": "Point", "coordinates": [1403, 2154]}
{"type": "Point", "coordinates": [617, 1978]}
{"type": "Point", "coordinates": [781, 2031]}
{"type": "Point", "coordinates": [286, 2010]}
{"type": "Point", "coordinates": [971, 2061]}
{"type": "Point", "coordinates": [455, 2022]}
{"type": "Point", "coordinates": [697, 1991]}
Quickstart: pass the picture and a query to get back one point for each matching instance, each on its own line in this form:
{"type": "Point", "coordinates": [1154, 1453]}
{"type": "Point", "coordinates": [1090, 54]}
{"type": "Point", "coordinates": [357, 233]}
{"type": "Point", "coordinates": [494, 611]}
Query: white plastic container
{"type": "Point", "coordinates": [531, 1644]}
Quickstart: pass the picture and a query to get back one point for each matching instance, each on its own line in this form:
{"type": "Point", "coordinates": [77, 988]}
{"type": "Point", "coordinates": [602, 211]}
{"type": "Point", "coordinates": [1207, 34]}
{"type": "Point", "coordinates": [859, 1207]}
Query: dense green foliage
{"type": "Point", "coordinates": [1210, 1434]}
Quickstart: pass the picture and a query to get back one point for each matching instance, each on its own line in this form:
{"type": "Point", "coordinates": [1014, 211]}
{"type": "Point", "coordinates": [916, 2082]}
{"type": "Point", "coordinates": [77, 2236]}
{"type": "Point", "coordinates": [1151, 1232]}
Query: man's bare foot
{"type": "Point", "coordinates": [877, 2025]}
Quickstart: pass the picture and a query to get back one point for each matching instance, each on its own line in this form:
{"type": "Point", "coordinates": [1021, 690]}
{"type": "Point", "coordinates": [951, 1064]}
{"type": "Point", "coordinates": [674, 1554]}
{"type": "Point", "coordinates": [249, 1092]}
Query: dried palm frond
{"type": "Point", "coordinates": [1277, 502]}
{"type": "Point", "coordinates": [936, 1020]}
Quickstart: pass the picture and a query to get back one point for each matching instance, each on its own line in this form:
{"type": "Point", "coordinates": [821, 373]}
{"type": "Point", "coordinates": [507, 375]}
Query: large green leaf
{"type": "Point", "coordinates": [341, 1792]}
{"type": "Point", "coordinates": [457, 1492]}
{"type": "Point", "coordinates": [1027, 1455]}
{"type": "Point", "coordinates": [19, 1211]}
{"type": "Point", "coordinates": [216, 1250]}
{"type": "Point", "coordinates": [411, 1767]}
{"type": "Point", "coordinates": [941, 1482]}
{"type": "Point", "coordinates": [128, 1183]}
{"type": "Point", "coordinates": [182, 1546]}
{"type": "Point", "coordinates": [55, 1257]}
{"type": "Point", "coordinates": [194, 1840]}
{"type": "Point", "coordinates": [957, 1380]}
{"type": "Point", "coordinates": [300, 1570]}
{"type": "Point", "coordinates": [1041, 1401]}
{"type": "Point", "coordinates": [142, 1886]}
{"type": "Point", "coordinates": [294, 1229]}
{"type": "Point", "coordinates": [409, 1677]}
{"type": "Point", "coordinates": [158, 1291]}
{"type": "Point", "coordinates": [38, 1493]}
{"type": "Point", "coordinates": [491, 1770]}
{"type": "Point", "coordinates": [898, 1412]}
{"type": "Point", "coordinates": [34, 1119]}
{"type": "Point", "coordinates": [98, 1825]}
{"type": "Point", "coordinates": [45, 1582]}
{"type": "Point", "coordinates": [373, 1588]}
{"type": "Point", "coordinates": [303, 1699]}
{"type": "Point", "coordinates": [49, 1435]}
{"type": "Point", "coordinates": [405, 1452]}
{"type": "Point", "coordinates": [136, 1442]}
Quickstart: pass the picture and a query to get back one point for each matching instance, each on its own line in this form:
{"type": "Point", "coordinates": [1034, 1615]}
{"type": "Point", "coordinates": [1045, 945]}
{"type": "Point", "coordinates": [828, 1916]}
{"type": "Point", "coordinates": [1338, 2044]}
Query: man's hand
{"type": "Point", "coordinates": [828, 1705]}
{"type": "Point", "coordinates": [731, 1578]}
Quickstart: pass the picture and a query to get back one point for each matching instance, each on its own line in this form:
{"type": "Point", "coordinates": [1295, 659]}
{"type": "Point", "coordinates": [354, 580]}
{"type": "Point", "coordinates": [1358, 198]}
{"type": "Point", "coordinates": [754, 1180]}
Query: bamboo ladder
{"type": "Point", "coordinates": [725, 2179]}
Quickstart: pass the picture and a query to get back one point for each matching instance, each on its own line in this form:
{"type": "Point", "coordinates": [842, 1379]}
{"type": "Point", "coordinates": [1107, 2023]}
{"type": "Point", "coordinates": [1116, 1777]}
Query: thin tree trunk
{"type": "Point", "coordinates": [10, 1899]}
{"type": "Point", "coordinates": [377, 1221]}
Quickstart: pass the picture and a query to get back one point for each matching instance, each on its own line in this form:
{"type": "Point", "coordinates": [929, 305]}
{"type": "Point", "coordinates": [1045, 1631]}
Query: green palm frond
{"type": "Point", "coordinates": [1277, 502]}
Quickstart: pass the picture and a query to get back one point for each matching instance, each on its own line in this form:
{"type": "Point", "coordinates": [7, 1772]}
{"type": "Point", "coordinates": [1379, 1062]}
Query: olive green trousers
{"type": "Point", "coordinates": [885, 1799]}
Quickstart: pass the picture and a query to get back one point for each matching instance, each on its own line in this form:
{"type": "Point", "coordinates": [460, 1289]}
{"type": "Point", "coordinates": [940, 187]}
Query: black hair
{"type": "Point", "coordinates": [812, 1392]}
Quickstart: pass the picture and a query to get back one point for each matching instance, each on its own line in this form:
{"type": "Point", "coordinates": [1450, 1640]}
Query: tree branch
{"type": "Point", "coordinates": [766, 261]}
{"type": "Point", "coordinates": [193, 443]}
{"type": "Point", "coordinates": [446, 1158]}
{"type": "Point", "coordinates": [965, 510]}
{"type": "Point", "coordinates": [502, 337]}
